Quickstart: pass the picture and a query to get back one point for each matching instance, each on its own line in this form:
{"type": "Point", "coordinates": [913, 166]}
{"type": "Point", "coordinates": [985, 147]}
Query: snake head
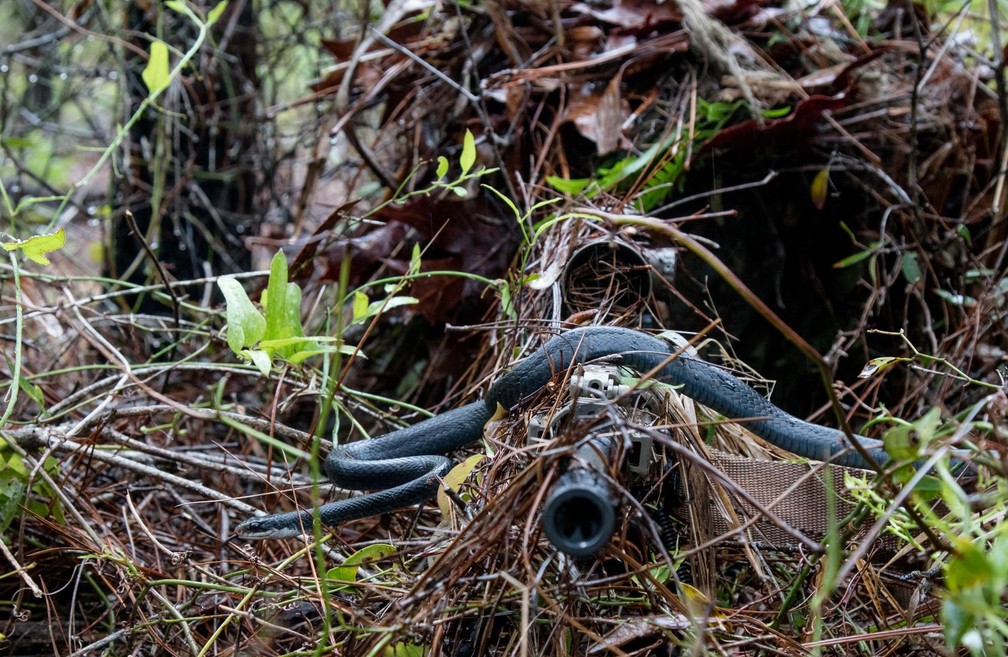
{"type": "Point", "coordinates": [281, 525]}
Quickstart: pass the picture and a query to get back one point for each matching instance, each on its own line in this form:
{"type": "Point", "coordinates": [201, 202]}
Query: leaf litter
{"type": "Point", "coordinates": [681, 110]}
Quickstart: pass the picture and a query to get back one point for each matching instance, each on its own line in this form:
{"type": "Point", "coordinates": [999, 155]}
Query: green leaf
{"type": "Point", "coordinates": [348, 571]}
{"type": "Point", "coordinates": [508, 202]}
{"type": "Point", "coordinates": [14, 478]}
{"type": "Point", "coordinates": [568, 186]}
{"type": "Point", "coordinates": [282, 344]}
{"type": "Point", "coordinates": [956, 620]}
{"type": "Point", "coordinates": [403, 649]}
{"type": "Point", "coordinates": [156, 75]}
{"type": "Point", "coordinates": [661, 573]}
{"type": "Point", "coordinates": [12, 493]}
{"type": "Point", "coordinates": [911, 268]}
{"type": "Point", "coordinates": [384, 305]}
{"type": "Point", "coordinates": [927, 425]}
{"type": "Point", "coordinates": [928, 488]}
{"type": "Point", "coordinates": [292, 320]}
{"type": "Point", "coordinates": [414, 261]}
{"type": "Point", "coordinates": [468, 156]}
{"type": "Point", "coordinates": [360, 306]}
{"type": "Point", "coordinates": [819, 189]}
{"type": "Point", "coordinates": [899, 444]}
{"type": "Point", "coordinates": [847, 231]}
{"type": "Point", "coordinates": [720, 111]}
{"type": "Point", "coordinates": [908, 441]}
{"type": "Point", "coordinates": [299, 356]}
{"type": "Point", "coordinates": [453, 480]}
{"type": "Point", "coordinates": [16, 465]}
{"type": "Point", "coordinates": [974, 274]}
{"type": "Point", "coordinates": [246, 325]}
{"type": "Point", "coordinates": [957, 299]}
{"type": "Point", "coordinates": [880, 364]}
{"type": "Point", "coordinates": [259, 358]}
{"type": "Point", "coordinates": [969, 568]}
{"type": "Point", "coordinates": [279, 333]}
{"type": "Point", "coordinates": [507, 307]}
{"type": "Point", "coordinates": [364, 309]}
{"type": "Point", "coordinates": [33, 391]}
{"type": "Point", "coordinates": [856, 258]}
{"type": "Point", "coordinates": [177, 6]}
{"type": "Point", "coordinates": [634, 164]}
{"type": "Point", "coordinates": [292, 314]}
{"type": "Point", "coordinates": [442, 167]}
{"type": "Point", "coordinates": [35, 248]}
{"type": "Point", "coordinates": [275, 298]}
{"type": "Point", "coordinates": [663, 182]}
{"type": "Point", "coordinates": [214, 15]}
{"type": "Point", "coordinates": [777, 112]}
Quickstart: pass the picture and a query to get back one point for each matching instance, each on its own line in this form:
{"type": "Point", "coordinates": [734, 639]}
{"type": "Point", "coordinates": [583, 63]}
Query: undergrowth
{"type": "Point", "coordinates": [134, 436]}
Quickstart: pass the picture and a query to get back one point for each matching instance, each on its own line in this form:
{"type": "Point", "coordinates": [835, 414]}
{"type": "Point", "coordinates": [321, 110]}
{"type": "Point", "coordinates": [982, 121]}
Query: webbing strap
{"type": "Point", "coordinates": [795, 494]}
{"type": "Point", "coordinates": [775, 493]}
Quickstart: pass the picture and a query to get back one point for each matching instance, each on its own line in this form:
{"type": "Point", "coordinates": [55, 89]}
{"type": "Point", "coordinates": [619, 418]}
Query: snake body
{"type": "Point", "coordinates": [405, 466]}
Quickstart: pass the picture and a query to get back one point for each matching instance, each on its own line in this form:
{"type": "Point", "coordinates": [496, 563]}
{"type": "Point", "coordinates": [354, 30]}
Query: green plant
{"type": "Point", "coordinates": [467, 158]}
{"type": "Point", "coordinates": [277, 332]}
{"type": "Point", "coordinates": [862, 14]}
{"type": "Point", "coordinates": [976, 565]}
{"type": "Point", "coordinates": [662, 166]}
{"type": "Point", "coordinates": [277, 335]}
{"type": "Point", "coordinates": [346, 574]}
{"type": "Point", "coordinates": [157, 76]}
{"type": "Point", "coordinates": [16, 481]}
{"type": "Point", "coordinates": [976, 576]}
{"type": "Point", "coordinates": [35, 248]}
{"type": "Point", "coordinates": [466, 161]}
{"type": "Point", "coordinates": [918, 360]}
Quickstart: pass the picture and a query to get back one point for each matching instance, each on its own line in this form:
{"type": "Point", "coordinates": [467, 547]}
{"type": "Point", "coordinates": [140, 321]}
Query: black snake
{"type": "Point", "coordinates": [405, 466]}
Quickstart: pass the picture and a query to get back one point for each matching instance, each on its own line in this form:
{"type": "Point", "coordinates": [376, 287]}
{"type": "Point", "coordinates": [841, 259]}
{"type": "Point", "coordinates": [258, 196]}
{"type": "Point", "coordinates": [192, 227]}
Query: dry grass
{"type": "Point", "coordinates": [138, 441]}
{"type": "Point", "coordinates": [140, 468]}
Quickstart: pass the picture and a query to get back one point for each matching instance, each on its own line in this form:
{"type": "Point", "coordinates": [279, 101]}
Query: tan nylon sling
{"type": "Point", "coordinates": [795, 493]}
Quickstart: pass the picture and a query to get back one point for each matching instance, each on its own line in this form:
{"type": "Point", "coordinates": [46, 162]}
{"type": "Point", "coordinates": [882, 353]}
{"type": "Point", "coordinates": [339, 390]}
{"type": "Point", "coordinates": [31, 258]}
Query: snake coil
{"type": "Point", "coordinates": [405, 466]}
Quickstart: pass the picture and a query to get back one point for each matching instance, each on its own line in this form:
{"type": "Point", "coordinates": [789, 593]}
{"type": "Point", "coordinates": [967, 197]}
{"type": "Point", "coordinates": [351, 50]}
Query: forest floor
{"type": "Point", "coordinates": [812, 197]}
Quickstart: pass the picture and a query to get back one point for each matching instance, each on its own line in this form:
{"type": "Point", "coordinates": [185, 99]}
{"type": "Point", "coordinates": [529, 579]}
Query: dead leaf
{"type": "Point", "coordinates": [599, 114]}
{"type": "Point", "coordinates": [640, 628]}
{"type": "Point", "coordinates": [776, 135]}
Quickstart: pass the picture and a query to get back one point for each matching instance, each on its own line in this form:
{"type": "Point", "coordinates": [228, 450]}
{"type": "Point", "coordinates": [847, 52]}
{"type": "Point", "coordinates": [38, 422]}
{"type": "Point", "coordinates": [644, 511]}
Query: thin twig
{"type": "Point", "coordinates": [138, 234]}
{"type": "Point", "coordinates": [58, 442]}
{"type": "Point", "coordinates": [21, 571]}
